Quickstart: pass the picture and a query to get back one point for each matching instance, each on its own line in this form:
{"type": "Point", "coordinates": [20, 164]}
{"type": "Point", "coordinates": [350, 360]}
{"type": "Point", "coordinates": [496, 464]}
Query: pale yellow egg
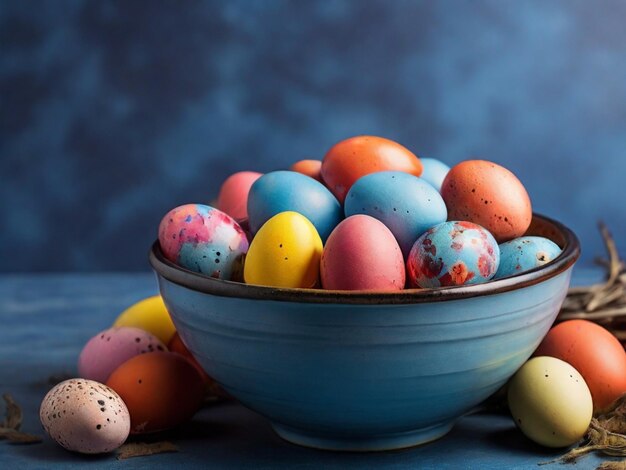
{"type": "Point", "coordinates": [550, 402]}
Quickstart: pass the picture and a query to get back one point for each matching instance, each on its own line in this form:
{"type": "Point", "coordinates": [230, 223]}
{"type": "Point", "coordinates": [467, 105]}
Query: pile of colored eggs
{"type": "Point", "coordinates": [136, 377]}
{"type": "Point", "coordinates": [370, 216]}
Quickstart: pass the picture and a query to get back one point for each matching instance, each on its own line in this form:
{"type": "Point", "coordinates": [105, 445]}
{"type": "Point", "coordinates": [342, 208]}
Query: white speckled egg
{"type": "Point", "coordinates": [85, 416]}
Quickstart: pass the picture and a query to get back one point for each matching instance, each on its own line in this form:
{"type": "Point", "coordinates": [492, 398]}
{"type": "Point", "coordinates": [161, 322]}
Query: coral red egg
{"type": "Point", "coordinates": [594, 352]}
{"type": "Point", "coordinates": [310, 168]}
{"type": "Point", "coordinates": [488, 195]}
{"type": "Point", "coordinates": [233, 196]}
{"type": "Point", "coordinates": [362, 254]}
{"type": "Point", "coordinates": [352, 158]}
{"type": "Point", "coordinates": [160, 389]}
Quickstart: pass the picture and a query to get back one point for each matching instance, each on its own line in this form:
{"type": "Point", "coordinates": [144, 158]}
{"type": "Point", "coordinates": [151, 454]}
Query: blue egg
{"type": "Point", "coordinates": [453, 253]}
{"type": "Point", "coordinates": [524, 253]}
{"type": "Point", "coordinates": [406, 204]}
{"type": "Point", "coordinates": [434, 172]}
{"type": "Point", "coordinates": [281, 191]}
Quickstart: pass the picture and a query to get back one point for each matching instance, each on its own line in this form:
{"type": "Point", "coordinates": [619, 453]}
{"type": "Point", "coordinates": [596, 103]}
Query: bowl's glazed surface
{"type": "Point", "coordinates": [362, 371]}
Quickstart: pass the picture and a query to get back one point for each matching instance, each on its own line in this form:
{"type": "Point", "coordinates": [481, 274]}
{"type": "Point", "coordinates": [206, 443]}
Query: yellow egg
{"type": "Point", "coordinates": [550, 402]}
{"type": "Point", "coordinates": [285, 252]}
{"type": "Point", "coordinates": [150, 315]}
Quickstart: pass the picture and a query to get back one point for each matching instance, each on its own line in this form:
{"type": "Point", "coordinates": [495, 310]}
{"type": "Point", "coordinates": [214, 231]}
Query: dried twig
{"type": "Point", "coordinates": [141, 449]}
{"type": "Point", "coordinates": [9, 428]}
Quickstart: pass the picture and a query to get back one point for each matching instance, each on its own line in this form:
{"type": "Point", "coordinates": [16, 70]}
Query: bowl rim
{"type": "Point", "coordinates": [208, 285]}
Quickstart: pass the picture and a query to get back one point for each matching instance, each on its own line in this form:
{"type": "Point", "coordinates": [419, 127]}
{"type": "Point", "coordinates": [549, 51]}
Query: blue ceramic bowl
{"type": "Point", "coordinates": [366, 371]}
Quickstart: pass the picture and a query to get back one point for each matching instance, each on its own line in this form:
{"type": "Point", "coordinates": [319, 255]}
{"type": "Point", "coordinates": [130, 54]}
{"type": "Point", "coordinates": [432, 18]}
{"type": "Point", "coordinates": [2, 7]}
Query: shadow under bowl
{"type": "Point", "coordinates": [365, 371]}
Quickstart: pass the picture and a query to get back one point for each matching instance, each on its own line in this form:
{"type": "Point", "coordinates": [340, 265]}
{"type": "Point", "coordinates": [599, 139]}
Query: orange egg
{"type": "Point", "coordinates": [594, 352]}
{"type": "Point", "coordinates": [488, 195]}
{"type": "Point", "coordinates": [161, 390]}
{"type": "Point", "coordinates": [352, 158]}
{"type": "Point", "coordinates": [310, 168]}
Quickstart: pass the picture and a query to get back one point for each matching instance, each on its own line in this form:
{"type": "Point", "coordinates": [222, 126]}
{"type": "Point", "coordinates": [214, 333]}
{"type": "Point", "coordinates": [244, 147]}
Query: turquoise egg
{"type": "Point", "coordinates": [453, 254]}
{"type": "Point", "coordinates": [281, 191]}
{"type": "Point", "coordinates": [524, 253]}
{"type": "Point", "coordinates": [434, 171]}
{"type": "Point", "coordinates": [406, 204]}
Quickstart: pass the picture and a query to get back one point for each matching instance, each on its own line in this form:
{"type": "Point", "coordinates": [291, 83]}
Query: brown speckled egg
{"type": "Point", "coordinates": [161, 390]}
{"type": "Point", "coordinates": [488, 195]}
{"type": "Point", "coordinates": [85, 416]}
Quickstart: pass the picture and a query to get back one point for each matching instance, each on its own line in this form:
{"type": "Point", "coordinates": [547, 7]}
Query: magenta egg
{"type": "Point", "coordinates": [111, 348]}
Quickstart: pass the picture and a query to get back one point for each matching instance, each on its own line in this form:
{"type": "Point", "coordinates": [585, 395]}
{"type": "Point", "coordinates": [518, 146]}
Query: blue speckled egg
{"type": "Point", "coordinates": [524, 253]}
{"type": "Point", "coordinates": [434, 172]}
{"type": "Point", "coordinates": [453, 254]}
{"type": "Point", "coordinates": [282, 191]}
{"type": "Point", "coordinates": [406, 204]}
{"type": "Point", "coordinates": [203, 239]}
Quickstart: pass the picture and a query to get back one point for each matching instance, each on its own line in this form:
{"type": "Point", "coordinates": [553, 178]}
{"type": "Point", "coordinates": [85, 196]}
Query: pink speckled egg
{"type": "Point", "coordinates": [205, 240]}
{"type": "Point", "coordinates": [233, 196]}
{"type": "Point", "coordinates": [110, 348]}
{"type": "Point", "coordinates": [85, 416]}
{"type": "Point", "coordinates": [361, 253]}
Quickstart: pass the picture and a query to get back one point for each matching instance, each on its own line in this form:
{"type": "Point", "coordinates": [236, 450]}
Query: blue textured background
{"type": "Point", "coordinates": [114, 112]}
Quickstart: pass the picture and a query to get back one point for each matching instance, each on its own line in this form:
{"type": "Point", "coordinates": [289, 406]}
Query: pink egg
{"type": "Point", "coordinates": [111, 348]}
{"type": "Point", "coordinates": [233, 197]}
{"type": "Point", "coordinates": [361, 253]}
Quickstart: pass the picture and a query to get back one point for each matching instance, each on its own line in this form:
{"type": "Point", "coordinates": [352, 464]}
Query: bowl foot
{"type": "Point", "coordinates": [373, 443]}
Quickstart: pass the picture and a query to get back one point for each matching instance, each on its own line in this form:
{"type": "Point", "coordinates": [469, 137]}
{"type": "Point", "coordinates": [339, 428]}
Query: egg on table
{"type": "Point", "coordinates": [203, 239]}
{"type": "Point", "coordinates": [85, 416]}
{"type": "Point", "coordinates": [406, 204]}
{"type": "Point", "coordinates": [594, 352]}
{"type": "Point", "coordinates": [110, 348]}
{"type": "Point", "coordinates": [524, 253]}
{"type": "Point", "coordinates": [283, 191]}
{"type": "Point", "coordinates": [452, 254]}
{"type": "Point", "coordinates": [362, 254]}
{"type": "Point", "coordinates": [550, 402]}
{"type": "Point", "coordinates": [488, 195]}
{"type": "Point", "coordinates": [285, 252]}
{"type": "Point", "coordinates": [355, 157]}
{"type": "Point", "coordinates": [161, 390]}
{"type": "Point", "coordinates": [150, 315]}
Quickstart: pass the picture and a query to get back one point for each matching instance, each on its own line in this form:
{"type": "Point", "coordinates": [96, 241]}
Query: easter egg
{"type": "Point", "coordinates": [233, 195]}
{"type": "Point", "coordinates": [160, 389]}
{"type": "Point", "coordinates": [149, 315]}
{"type": "Point", "coordinates": [453, 254]}
{"type": "Point", "coordinates": [85, 416]}
{"type": "Point", "coordinates": [352, 158]}
{"type": "Point", "coordinates": [524, 253]}
{"type": "Point", "coordinates": [285, 252]}
{"type": "Point", "coordinates": [203, 239]}
{"type": "Point", "coordinates": [594, 352]}
{"type": "Point", "coordinates": [435, 171]}
{"type": "Point", "coordinates": [406, 204]}
{"type": "Point", "coordinates": [283, 191]}
{"type": "Point", "coordinates": [110, 348]}
{"type": "Point", "coordinates": [550, 402]}
{"type": "Point", "coordinates": [362, 254]}
{"type": "Point", "coordinates": [488, 195]}
{"type": "Point", "coordinates": [311, 168]}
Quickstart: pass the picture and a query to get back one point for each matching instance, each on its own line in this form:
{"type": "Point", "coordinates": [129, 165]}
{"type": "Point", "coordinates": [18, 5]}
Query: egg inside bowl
{"type": "Point", "coordinates": [366, 371]}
